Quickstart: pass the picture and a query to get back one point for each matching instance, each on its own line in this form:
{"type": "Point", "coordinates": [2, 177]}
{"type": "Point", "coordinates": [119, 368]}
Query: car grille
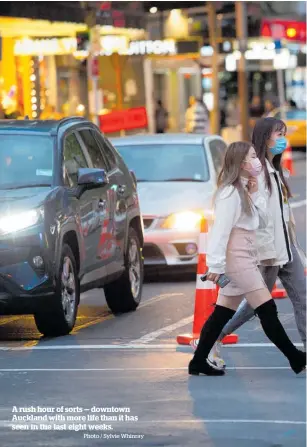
{"type": "Point", "coordinates": [147, 223]}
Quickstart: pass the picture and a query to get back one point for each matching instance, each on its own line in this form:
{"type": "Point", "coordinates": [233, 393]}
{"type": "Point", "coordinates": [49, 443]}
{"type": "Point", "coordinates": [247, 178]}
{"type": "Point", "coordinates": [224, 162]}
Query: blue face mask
{"type": "Point", "coordinates": [280, 146]}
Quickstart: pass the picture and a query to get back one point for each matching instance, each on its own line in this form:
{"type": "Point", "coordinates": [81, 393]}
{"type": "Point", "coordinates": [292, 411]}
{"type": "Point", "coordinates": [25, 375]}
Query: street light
{"type": "Point", "coordinates": [153, 10]}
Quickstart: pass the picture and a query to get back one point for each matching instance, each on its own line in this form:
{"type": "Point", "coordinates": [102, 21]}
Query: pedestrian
{"type": "Point", "coordinates": [240, 210]}
{"type": "Point", "coordinates": [256, 108]}
{"type": "Point", "coordinates": [161, 118]}
{"type": "Point", "coordinates": [269, 107]}
{"type": "Point", "coordinates": [197, 117]}
{"type": "Point", "coordinates": [283, 259]}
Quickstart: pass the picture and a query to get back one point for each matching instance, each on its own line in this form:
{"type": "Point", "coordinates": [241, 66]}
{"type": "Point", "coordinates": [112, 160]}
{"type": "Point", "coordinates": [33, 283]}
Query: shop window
{"type": "Point", "coordinates": [93, 150]}
{"type": "Point", "coordinates": [73, 160]}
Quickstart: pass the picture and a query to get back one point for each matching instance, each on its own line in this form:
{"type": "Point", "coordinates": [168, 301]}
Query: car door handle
{"type": "Point", "coordinates": [121, 189]}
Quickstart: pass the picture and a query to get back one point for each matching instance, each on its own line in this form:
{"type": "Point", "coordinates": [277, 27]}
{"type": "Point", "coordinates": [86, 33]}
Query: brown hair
{"type": "Point", "coordinates": [261, 135]}
{"type": "Point", "coordinates": [231, 172]}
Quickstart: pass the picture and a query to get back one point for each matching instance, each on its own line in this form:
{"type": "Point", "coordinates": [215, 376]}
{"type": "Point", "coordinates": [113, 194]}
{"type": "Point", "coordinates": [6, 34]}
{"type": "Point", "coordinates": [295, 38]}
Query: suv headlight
{"type": "Point", "coordinates": [185, 220]}
{"type": "Point", "coordinates": [16, 222]}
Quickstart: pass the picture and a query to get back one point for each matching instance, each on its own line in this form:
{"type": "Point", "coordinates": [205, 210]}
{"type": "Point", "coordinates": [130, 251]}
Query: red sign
{"type": "Point", "coordinates": [135, 118]}
{"type": "Point", "coordinates": [284, 29]}
{"type": "Point", "coordinates": [95, 67]}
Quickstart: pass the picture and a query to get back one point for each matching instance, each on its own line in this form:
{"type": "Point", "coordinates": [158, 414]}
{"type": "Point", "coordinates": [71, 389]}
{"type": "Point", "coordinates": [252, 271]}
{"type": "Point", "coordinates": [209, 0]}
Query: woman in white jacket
{"type": "Point", "coordinates": [279, 251]}
{"type": "Point", "coordinates": [239, 211]}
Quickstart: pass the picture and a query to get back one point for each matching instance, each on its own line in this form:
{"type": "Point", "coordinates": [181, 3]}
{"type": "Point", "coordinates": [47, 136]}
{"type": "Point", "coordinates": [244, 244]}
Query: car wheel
{"type": "Point", "coordinates": [124, 294]}
{"type": "Point", "coordinates": [61, 318]}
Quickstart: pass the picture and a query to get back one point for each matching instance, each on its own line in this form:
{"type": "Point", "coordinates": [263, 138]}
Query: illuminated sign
{"type": "Point", "coordinates": [45, 47]}
{"type": "Point", "coordinates": [152, 47]}
{"type": "Point", "coordinates": [114, 44]}
{"type": "Point", "coordinates": [284, 29]}
{"type": "Point", "coordinates": [109, 45]}
{"type": "Point", "coordinates": [135, 118]}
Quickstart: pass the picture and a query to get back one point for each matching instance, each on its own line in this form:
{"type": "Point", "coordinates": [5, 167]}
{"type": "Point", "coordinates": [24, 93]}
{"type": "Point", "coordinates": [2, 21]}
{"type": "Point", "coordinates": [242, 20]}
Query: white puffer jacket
{"type": "Point", "coordinates": [273, 242]}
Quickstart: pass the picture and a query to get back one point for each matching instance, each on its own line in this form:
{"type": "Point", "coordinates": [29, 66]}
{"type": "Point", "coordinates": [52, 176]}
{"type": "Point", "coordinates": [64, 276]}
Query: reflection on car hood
{"type": "Point", "coordinates": [164, 198]}
{"type": "Point", "coordinates": [23, 199]}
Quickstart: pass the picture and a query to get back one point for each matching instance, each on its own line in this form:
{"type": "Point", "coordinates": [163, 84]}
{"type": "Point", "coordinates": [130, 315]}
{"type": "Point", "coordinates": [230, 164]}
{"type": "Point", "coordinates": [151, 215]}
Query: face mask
{"type": "Point", "coordinates": [280, 146]}
{"type": "Point", "coordinates": [254, 168]}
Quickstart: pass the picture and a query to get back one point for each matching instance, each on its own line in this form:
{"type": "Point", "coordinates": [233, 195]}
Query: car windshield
{"type": "Point", "coordinates": [25, 161]}
{"type": "Point", "coordinates": [166, 162]}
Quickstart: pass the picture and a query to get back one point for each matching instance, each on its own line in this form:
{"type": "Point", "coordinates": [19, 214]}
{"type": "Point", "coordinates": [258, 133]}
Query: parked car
{"type": "Point", "coordinates": [295, 120]}
{"type": "Point", "coordinates": [176, 176]}
{"type": "Point", "coordinates": [69, 221]}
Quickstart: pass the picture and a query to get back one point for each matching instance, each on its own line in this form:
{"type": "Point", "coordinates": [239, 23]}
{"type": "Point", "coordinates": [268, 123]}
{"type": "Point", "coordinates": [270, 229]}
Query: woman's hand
{"type": "Point", "coordinates": [252, 185]}
{"type": "Point", "coordinates": [214, 277]}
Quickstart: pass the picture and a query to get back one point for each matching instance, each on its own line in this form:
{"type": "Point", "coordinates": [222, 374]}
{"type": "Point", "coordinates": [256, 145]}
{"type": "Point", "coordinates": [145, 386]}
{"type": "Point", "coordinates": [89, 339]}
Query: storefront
{"type": "Point", "coordinates": [53, 81]}
{"type": "Point", "coordinates": [281, 46]}
{"type": "Point", "coordinates": [172, 76]}
{"type": "Point", "coordinates": [32, 57]}
{"type": "Point", "coordinates": [44, 76]}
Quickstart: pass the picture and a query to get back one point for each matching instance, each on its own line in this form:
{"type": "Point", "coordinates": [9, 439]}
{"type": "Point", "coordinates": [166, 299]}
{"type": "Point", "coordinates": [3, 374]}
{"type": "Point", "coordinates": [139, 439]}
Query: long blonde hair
{"type": "Point", "coordinates": [231, 172]}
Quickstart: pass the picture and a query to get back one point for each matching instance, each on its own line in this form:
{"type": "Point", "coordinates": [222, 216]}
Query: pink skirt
{"type": "Point", "coordinates": [242, 264]}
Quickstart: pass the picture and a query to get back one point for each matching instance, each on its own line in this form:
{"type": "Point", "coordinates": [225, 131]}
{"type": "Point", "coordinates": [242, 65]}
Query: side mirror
{"type": "Point", "coordinates": [92, 178]}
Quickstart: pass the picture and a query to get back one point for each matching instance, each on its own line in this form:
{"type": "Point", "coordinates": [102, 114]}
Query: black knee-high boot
{"type": "Point", "coordinates": [274, 330]}
{"type": "Point", "coordinates": [208, 336]}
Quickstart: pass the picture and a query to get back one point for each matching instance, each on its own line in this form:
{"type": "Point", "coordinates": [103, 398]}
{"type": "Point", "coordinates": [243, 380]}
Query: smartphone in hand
{"type": "Point", "coordinates": [222, 282]}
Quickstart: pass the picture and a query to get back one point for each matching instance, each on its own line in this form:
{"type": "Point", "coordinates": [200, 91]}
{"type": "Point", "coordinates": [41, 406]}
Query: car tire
{"type": "Point", "coordinates": [124, 294]}
{"type": "Point", "coordinates": [61, 318]}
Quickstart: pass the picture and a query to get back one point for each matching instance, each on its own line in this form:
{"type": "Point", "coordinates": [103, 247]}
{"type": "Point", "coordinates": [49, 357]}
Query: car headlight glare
{"type": "Point", "coordinates": [16, 222]}
{"type": "Point", "coordinates": [185, 220]}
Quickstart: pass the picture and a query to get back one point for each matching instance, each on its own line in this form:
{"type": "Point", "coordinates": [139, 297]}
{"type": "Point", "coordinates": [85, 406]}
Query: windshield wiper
{"type": "Point", "coordinates": [182, 180]}
{"type": "Point", "coordinates": [29, 185]}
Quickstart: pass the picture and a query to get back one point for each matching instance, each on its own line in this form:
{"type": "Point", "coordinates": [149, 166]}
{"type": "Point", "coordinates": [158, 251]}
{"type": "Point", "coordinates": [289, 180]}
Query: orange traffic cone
{"type": "Point", "coordinates": [205, 295]}
{"type": "Point", "coordinates": [287, 160]}
{"type": "Point", "coordinates": [278, 293]}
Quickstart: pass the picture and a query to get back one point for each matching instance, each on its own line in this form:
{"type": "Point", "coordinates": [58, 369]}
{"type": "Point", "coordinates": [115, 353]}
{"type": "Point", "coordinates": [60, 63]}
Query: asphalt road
{"type": "Point", "coordinates": [131, 370]}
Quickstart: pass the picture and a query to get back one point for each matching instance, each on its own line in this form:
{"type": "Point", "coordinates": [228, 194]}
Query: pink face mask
{"type": "Point", "coordinates": [253, 167]}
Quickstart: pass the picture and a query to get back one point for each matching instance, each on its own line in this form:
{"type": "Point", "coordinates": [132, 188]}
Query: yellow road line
{"type": "Point", "coordinates": [92, 323]}
{"type": "Point", "coordinates": [30, 343]}
{"type": "Point", "coordinates": [6, 320]}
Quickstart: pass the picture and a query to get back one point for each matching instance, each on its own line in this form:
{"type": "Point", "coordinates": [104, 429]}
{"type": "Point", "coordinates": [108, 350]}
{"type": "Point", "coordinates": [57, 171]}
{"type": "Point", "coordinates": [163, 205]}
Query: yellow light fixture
{"type": "Point", "coordinates": [291, 32]}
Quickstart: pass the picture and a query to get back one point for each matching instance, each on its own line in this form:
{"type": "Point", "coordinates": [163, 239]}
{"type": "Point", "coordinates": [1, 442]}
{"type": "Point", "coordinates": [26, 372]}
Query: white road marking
{"type": "Point", "coordinates": [155, 334]}
{"type": "Point", "coordinates": [173, 346]}
{"type": "Point", "coordinates": [151, 300]}
{"type": "Point", "coordinates": [181, 368]}
{"type": "Point", "coordinates": [157, 298]}
{"type": "Point", "coordinates": [298, 204]}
